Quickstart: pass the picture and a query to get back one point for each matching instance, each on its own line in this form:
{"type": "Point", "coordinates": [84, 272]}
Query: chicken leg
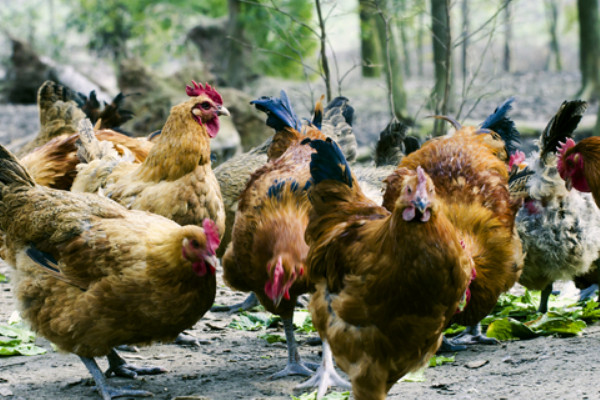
{"type": "Point", "coordinates": [295, 366]}
{"type": "Point", "coordinates": [108, 392]}
{"type": "Point", "coordinates": [472, 335]}
{"type": "Point", "coordinates": [325, 376]}
{"type": "Point", "coordinates": [543, 308]}
{"type": "Point", "coordinates": [119, 367]}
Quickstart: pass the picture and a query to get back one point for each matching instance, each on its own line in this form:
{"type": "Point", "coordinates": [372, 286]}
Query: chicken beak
{"type": "Point", "coordinates": [221, 110]}
{"type": "Point", "coordinates": [421, 204]}
{"type": "Point", "coordinates": [277, 300]}
{"type": "Point", "coordinates": [569, 184]}
{"type": "Point", "coordinates": [213, 261]}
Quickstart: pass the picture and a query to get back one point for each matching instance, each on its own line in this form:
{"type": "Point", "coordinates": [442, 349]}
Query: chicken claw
{"type": "Point", "coordinates": [119, 367]}
{"type": "Point", "coordinates": [472, 335]}
{"type": "Point", "coordinates": [183, 339]}
{"type": "Point", "coordinates": [108, 392]}
{"type": "Point", "coordinates": [251, 301]}
{"type": "Point", "coordinates": [295, 366]}
{"type": "Point", "coordinates": [325, 376]}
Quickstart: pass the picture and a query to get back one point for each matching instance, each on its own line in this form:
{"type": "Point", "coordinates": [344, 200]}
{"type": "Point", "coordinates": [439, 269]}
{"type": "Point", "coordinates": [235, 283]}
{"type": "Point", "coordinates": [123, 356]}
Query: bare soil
{"type": "Point", "coordinates": [233, 364]}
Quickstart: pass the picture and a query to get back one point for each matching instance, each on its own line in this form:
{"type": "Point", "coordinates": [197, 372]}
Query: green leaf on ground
{"type": "Point", "coordinates": [436, 360]}
{"type": "Point", "coordinates": [272, 338]}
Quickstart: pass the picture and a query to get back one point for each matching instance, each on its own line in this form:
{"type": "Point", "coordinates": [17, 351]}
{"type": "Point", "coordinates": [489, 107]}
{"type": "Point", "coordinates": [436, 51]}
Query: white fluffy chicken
{"type": "Point", "coordinates": [560, 229]}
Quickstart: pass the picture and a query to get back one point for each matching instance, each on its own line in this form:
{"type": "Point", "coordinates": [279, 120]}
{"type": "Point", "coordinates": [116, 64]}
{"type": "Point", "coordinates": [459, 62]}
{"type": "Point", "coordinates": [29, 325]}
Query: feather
{"type": "Point", "coordinates": [328, 162]}
{"type": "Point", "coordinates": [280, 113]}
{"type": "Point", "coordinates": [276, 189]}
{"type": "Point", "coordinates": [341, 102]}
{"type": "Point", "coordinates": [318, 115]}
{"type": "Point", "coordinates": [50, 265]}
{"type": "Point", "coordinates": [561, 126]}
{"type": "Point", "coordinates": [518, 179]}
{"type": "Point", "coordinates": [500, 123]}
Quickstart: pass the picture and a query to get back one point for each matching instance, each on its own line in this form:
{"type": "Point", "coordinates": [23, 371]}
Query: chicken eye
{"type": "Point", "coordinates": [205, 105]}
{"type": "Point", "coordinates": [408, 190]}
{"type": "Point", "coordinates": [195, 243]}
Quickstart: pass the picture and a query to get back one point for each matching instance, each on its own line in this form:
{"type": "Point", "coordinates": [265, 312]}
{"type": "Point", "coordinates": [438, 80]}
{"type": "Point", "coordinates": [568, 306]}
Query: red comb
{"type": "Point", "coordinates": [212, 235]}
{"type": "Point", "coordinates": [207, 90]}
{"type": "Point", "coordinates": [562, 147]}
{"type": "Point", "coordinates": [516, 159]}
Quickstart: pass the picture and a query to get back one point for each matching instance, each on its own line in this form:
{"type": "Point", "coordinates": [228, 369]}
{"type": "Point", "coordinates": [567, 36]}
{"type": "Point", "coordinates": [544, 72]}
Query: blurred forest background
{"type": "Point", "coordinates": [395, 59]}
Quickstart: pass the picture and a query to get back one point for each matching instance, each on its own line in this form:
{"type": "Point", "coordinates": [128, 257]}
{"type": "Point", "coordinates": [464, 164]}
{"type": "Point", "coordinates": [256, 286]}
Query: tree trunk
{"type": "Point", "coordinates": [235, 70]}
{"type": "Point", "coordinates": [370, 48]}
{"type": "Point", "coordinates": [507, 36]}
{"type": "Point", "coordinates": [391, 59]}
{"type": "Point", "coordinates": [465, 35]}
{"type": "Point", "coordinates": [553, 45]}
{"type": "Point", "coordinates": [404, 39]}
{"type": "Point", "coordinates": [442, 57]}
{"type": "Point", "coordinates": [589, 48]}
{"type": "Point", "coordinates": [420, 34]}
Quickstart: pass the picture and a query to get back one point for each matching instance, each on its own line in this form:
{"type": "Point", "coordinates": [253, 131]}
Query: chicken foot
{"type": "Point", "coordinates": [119, 367]}
{"type": "Point", "coordinates": [295, 366]}
{"type": "Point", "coordinates": [108, 392]}
{"type": "Point", "coordinates": [472, 335]}
{"type": "Point", "coordinates": [325, 376]}
{"type": "Point", "coordinates": [251, 301]}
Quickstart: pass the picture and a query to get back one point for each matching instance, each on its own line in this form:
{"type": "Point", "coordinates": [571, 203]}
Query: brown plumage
{"type": "Point", "coordinates": [267, 252]}
{"type": "Point", "coordinates": [387, 283]}
{"type": "Point", "coordinates": [176, 179]}
{"type": "Point", "coordinates": [92, 275]}
{"type": "Point", "coordinates": [54, 163]}
{"type": "Point", "coordinates": [472, 182]}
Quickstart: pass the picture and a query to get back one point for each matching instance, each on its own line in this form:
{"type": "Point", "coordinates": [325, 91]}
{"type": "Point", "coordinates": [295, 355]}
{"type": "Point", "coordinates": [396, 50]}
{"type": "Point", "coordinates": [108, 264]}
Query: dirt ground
{"type": "Point", "coordinates": [232, 364]}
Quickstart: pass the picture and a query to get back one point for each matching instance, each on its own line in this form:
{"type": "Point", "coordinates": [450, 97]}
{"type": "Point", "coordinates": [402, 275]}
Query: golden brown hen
{"type": "Point", "coordinates": [176, 179]}
{"type": "Point", "coordinates": [387, 283]}
{"type": "Point", "coordinates": [92, 275]}
{"type": "Point", "coordinates": [471, 178]}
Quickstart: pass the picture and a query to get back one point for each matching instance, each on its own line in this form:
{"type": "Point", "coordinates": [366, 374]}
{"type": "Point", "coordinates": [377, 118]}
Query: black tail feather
{"type": "Point", "coordinates": [328, 163]}
{"type": "Point", "coordinates": [500, 123]}
{"type": "Point", "coordinates": [280, 113]}
{"type": "Point", "coordinates": [561, 126]}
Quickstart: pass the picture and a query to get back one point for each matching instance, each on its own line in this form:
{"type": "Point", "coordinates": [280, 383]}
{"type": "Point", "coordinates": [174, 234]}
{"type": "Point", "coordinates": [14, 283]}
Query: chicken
{"type": "Point", "coordinates": [61, 109]}
{"type": "Point", "coordinates": [471, 178]}
{"type": "Point", "coordinates": [377, 303]}
{"type": "Point", "coordinates": [175, 180]}
{"type": "Point", "coordinates": [51, 158]}
{"type": "Point", "coordinates": [267, 253]}
{"type": "Point", "coordinates": [336, 121]}
{"type": "Point", "coordinates": [92, 275]}
{"type": "Point", "coordinates": [559, 229]}
{"type": "Point", "coordinates": [54, 164]}
{"type": "Point", "coordinates": [578, 165]}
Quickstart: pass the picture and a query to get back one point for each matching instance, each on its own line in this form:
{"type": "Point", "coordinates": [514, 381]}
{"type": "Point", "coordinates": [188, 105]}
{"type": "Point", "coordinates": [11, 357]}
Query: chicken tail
{"type": "Point", "coordinates": [328, 163]}
{"type": "Point", "coordinates": [89, 148]}
{"type": "Point", "coordinates": [280, 114]}
{"type": "Point", "coordinates": [337, 124]}
{"type": "Point", "coordinates": [500, 122]}
{"type": "Point", "coordinates": [111, 116]}
{"type": "Point", "coordinates": [561, 126]}
{"type": "Point", "coordinates": [393, 144]}
{"type": "Point", "coordinates": [11, 171]}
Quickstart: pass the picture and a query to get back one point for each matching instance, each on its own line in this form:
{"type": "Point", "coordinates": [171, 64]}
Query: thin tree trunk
{"type": "Point", "coordinates": [465, 34]}
{"type": "Point", "coordinates": [393, 70]}
{"type": "Point", "coordinates": [404, 39]}
{"type": "Point", "coordinates": [420, 34]}
{"type": "Point", "coordinates": [553, 45]}
{"type": "Point", "coordinates": [507, 36]}
{"type": "Point", "coordinates": [370, 48]}
{"type": "Point", "coordinates": [442, 57]}
{"type": "Point", "coordinates": [235, 70]}
{"type": "Point", "coordinates": [323, 41]}
{"type": "Point", "coordinates": [589, 50]}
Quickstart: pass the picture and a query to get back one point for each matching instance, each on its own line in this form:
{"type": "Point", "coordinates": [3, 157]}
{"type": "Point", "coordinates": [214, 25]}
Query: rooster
{"type": "Point", "coordinates": [150, 278]}
{"type": "Point", "coordinates": [377, 302]}
{"type": "Point", "coordinates": [267, 253]}
{"type": "Point", "coordinates": [471, 178]}
{"type": "Point", "coordinates": [335, 119]}
{"type": "Point", "coordinates": [560, 229]}
{"type": "Point", "coordinates": [175, 180]}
